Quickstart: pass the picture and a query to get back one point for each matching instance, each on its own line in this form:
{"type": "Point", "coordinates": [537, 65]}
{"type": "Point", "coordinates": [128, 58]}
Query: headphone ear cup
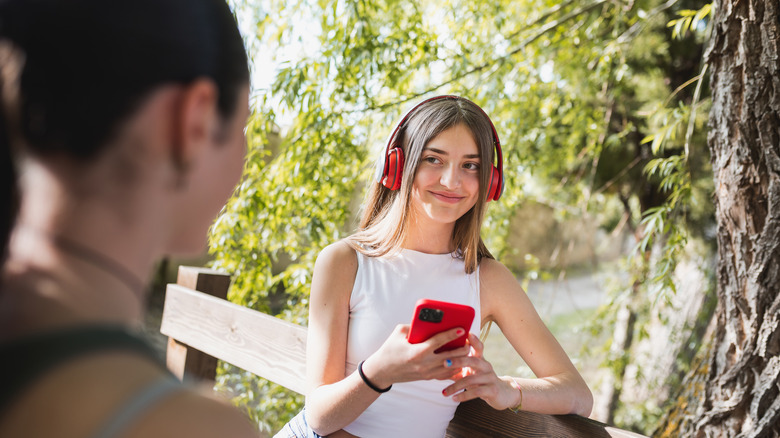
{"type": "Point", "coordinates": [493, 187]}
{"type": "Point", "coordinates": [394, 166]}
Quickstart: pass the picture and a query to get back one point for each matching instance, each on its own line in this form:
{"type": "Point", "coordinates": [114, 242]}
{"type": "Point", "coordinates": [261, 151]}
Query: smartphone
{"type": "Point", "coordinates": [432, 317]}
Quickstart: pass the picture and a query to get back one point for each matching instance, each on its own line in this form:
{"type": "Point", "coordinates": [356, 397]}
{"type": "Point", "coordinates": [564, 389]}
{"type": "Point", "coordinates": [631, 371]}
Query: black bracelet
{"type": "Point", "coordinates": [368, 382]}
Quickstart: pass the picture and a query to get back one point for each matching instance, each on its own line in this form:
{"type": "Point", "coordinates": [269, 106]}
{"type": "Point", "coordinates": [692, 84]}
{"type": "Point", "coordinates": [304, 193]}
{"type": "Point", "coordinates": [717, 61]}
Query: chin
{"type": "Point", "coordinates": [444, 217]}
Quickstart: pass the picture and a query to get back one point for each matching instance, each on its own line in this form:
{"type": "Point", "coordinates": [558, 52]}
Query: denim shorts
{"type": "Point", "coordinates": [298, 427]}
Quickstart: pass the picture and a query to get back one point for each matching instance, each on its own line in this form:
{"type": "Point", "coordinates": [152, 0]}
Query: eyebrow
{"type": "Point", "coordinates": [439, 151]}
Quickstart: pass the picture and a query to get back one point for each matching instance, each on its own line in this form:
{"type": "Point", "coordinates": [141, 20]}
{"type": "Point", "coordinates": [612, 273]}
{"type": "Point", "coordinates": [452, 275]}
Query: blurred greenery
{"type": "Point", "coordinates": [600, 107]}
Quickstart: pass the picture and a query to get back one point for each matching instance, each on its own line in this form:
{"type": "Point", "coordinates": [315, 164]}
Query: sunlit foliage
{"type": "Point", "coordinates": [597, 106]}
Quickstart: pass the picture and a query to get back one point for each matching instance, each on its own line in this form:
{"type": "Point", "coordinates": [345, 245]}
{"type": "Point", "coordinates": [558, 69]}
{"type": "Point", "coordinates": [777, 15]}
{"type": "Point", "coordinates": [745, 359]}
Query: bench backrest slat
{"type": "Point", "coordinates": [261, 344]}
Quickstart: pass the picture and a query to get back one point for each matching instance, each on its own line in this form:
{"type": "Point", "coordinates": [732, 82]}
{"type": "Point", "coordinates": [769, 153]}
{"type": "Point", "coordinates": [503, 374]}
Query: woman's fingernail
{"type": "Point", "coordinates": [444, 392]}
{"type": "Point", "coordinates": [460, 332]}
{"type": "Point", "coordinates": [448, 363]}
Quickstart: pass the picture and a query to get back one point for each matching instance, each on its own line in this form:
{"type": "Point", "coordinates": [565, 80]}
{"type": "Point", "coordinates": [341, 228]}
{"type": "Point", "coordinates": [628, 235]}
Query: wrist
{"type": "Point", "coordinates": [371, 378]}
{"type": "Point", "coordinates": [518, 391]}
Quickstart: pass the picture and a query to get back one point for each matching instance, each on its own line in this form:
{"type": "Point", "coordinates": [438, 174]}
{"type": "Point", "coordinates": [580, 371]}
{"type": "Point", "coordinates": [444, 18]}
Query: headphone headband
{"type": "Point", "coordinates": [383, 165]}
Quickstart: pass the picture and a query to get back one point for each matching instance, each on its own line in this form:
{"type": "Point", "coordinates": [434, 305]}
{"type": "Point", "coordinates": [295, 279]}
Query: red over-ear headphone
{"type": "Point", "coordinates": [391, 162]}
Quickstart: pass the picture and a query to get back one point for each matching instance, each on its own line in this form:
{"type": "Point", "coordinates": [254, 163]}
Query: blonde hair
{"type": "Point", "coordinates": [385, 221]}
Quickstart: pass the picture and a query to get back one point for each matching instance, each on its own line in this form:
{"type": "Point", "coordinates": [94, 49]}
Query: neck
{"type": "Point", "coordinates": [48, 286]}
{"type": "Point", "coordinates": [429, 237]}
{"type": "Point", "coordinates": [75, 261]}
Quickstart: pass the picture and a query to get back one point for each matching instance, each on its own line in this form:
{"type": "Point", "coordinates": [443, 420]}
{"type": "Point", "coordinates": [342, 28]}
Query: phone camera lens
{"type": "Point", "coordinates": [431, 315]}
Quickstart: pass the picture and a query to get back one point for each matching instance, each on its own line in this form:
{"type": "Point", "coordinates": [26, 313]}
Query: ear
{"type": "Point", "coordinates": [197, 122]}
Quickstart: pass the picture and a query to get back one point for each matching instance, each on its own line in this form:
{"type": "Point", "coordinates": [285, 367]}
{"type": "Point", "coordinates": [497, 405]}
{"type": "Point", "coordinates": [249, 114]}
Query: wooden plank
{"type": "Point", "coordinates": [476, 419]}
{"type": "Point", "coordinates": [176, 360]}
{"type": "Point", "coordinates": [208, 281]}
{"type": "Point", "coordinates": [269, 347]}
{"type": "Point", "coordinates": [185, 362]}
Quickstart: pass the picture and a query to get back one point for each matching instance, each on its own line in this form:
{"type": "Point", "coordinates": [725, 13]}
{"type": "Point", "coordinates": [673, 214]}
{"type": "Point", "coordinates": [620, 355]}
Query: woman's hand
{"type": "Point", "coordinates": [399, 361]}
{"type": "Point", "coordinates": [478, 380]}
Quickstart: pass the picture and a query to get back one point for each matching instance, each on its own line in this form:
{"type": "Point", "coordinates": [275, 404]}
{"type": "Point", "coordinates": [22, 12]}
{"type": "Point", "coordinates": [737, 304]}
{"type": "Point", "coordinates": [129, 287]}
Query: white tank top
{"type": "Point", "coordinates": [385, 293]}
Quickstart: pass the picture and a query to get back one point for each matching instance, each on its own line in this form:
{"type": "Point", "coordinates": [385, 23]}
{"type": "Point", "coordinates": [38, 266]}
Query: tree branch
{"type": "Point", "coordinates": [634, 30]}
{"type": "Point", "coordinates": [525, 43]}
{"type": "Point", "coordinates": [550, 12]}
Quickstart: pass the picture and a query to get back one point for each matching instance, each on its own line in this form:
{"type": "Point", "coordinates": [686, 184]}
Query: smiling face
{"type": "Point", "coordinates": [446, 184]}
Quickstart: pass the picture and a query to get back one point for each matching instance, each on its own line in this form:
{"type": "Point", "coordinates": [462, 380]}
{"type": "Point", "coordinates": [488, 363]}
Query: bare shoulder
{"type": "Point", "coordinates": [195, 414]}
{"type": "Point", "coordinates": [90, 392]}
{"type": "Point", "coordinates": [494, 274]}
{"type": "Point", "coordinates": [334, 274]}
{"type": "Point", "coordinates": [338, 254]}
{"type": "Point", "coordinates": [499, 289]}
{"type": "Point", "coordinates": [336, 265]}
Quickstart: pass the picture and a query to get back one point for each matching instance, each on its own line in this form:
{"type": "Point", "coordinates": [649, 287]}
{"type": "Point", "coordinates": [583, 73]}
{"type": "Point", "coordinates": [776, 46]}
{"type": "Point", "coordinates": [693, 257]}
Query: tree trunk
{"type": "Point", "coordinates": [612, 383]}
{"type": "Point", "coordinates": [743, 368]}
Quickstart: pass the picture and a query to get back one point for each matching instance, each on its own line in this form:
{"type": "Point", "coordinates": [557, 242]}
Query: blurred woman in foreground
{"type": "Point", "coordinates": [125, 121]}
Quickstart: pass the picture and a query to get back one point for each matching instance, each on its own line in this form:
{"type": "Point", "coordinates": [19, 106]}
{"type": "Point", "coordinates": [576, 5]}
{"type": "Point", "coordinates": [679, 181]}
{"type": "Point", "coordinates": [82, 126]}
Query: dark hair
{"type": "Point", "coordinates": [87, 64]}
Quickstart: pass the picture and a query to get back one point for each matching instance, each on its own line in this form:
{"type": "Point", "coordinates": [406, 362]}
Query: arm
{"type": "Point", "coordinates": [559, 388]}
{"type": "Point", "coordinates": [333, 401]}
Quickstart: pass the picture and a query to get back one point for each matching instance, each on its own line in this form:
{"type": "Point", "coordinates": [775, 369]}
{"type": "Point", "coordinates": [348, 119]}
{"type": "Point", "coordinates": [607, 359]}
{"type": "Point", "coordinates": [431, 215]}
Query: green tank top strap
{"type": "Point", "coordinates": [137, 405]}
{"type": "Point", "coordinates": [23, 361]}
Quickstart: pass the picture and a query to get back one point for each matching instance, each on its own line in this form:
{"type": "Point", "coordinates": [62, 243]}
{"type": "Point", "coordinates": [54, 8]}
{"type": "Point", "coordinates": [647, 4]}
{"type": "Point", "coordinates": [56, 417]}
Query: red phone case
{"type": "Point", "coordinates": [452, 315]}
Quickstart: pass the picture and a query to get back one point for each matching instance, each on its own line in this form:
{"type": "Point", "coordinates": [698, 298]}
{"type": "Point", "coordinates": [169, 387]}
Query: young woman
{"type": "Point", "coordinates": [420, 238]}
{"type": "Point", "coordinates": [125, 121]}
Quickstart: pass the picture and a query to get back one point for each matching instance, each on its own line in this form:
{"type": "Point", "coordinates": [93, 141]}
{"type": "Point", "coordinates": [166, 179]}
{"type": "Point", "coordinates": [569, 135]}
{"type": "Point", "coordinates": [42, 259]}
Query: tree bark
{"type": "Point", "coordinates": [743, 368]}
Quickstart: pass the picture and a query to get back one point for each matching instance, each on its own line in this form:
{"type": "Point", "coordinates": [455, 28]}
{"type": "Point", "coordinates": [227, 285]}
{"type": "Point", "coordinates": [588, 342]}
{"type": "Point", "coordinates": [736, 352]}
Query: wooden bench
{"type": "Point", "coordinates": [203, 327]}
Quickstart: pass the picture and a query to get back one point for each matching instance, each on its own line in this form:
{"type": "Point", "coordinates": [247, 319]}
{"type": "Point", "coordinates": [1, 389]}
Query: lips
{"type": "Point", "coordinates": [449, 198]}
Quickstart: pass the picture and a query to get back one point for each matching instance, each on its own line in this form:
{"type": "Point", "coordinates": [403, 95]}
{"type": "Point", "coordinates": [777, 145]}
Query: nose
{"type": "Point", "coordinates": [450, 176]}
